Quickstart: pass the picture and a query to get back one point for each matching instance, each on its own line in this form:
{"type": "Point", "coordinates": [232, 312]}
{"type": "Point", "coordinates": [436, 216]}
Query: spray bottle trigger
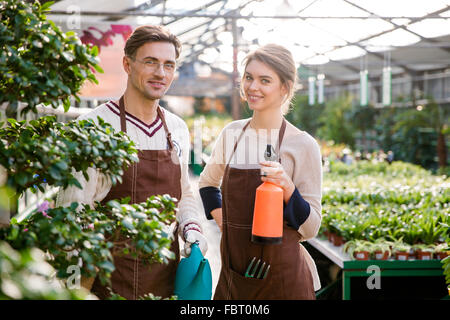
{"type": "Point", "coordinates": [269, 154]}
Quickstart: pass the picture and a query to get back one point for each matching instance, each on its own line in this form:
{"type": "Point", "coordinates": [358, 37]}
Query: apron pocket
{"type": "Point", "coordinates": [243, 288]}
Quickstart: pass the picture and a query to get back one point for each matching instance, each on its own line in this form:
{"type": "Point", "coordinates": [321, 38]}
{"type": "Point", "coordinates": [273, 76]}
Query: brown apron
{"type": "Point", "coordinates": [157, 172]}
{"type": "Point", "coordinates": [289, 276]}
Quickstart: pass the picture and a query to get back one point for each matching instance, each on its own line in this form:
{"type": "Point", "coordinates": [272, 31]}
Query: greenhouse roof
{"type": "Point", "coordinates": [334, 37]}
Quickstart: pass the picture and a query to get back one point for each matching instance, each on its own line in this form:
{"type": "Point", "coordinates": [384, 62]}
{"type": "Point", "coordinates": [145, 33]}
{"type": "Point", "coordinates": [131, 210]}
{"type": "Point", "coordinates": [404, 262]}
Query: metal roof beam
{"type": "Point", "coordinates": [236, 16]}
{"type": "Point", "coordinates": [144, 6]}
{"type": "Point", "coordinates": [357, 43]}
{"type": "Point", "coordinates": [196, 10]}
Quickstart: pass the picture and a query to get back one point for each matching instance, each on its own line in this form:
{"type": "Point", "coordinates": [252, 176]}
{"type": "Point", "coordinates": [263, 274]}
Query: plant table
{"type": "Point", "coordinates": [353, 271]}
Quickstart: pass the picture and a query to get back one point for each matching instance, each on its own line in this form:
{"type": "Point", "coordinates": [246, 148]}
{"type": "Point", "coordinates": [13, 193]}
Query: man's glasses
{"type": "Point", "coordinates": [153, 65]}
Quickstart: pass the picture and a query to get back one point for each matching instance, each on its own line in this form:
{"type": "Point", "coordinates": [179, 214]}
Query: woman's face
{"type": "Point", "coordinates": [262, 87]}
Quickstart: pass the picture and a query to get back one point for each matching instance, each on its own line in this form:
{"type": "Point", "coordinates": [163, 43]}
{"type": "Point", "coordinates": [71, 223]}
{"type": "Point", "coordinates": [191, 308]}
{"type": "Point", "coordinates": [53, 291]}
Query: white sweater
{"type": "Point", "coordinates": [146, 137]}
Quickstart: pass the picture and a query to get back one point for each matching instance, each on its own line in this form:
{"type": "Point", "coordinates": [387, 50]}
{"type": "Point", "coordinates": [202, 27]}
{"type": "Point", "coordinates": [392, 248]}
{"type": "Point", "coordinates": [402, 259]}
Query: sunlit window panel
{"type": "Point", "coordinates": [397, 37]}
{"type": "Point", "coordinates": [346, 53]}
{"type": "Point", "coordinates": [335, 8]}
{"type": "Point", "coordinates": [182, 25]}
{"type": "Point", "coordinates": [351, 30]}
{"type": "Point", "coordinates": [319, 59]}
{"type": "Point", "coordinates": [431, 28]}
{"type": "Point", "coordinates": [401, 8]}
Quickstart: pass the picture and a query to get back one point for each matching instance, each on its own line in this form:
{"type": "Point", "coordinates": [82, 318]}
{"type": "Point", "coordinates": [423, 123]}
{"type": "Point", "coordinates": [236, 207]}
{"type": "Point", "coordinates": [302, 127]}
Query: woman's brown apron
{"type": "Point", "coordinates": [289, 276]}
{"type": "Point", "coordinates": [157, 172]}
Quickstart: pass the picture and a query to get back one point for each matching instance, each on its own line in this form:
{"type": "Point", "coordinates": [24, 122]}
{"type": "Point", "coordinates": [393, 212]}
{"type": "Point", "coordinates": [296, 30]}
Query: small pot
{"type": "Point", "coordinates": [361, 255]}
{"type": "Point", "coordinates": [401, 255]}
{"type": "Point", "coordinates": [338, 240]}
{"type": "Point", "coordinates": [441, 255]}
{"type": "Point", "coordinates": [381, 255]}
{"type": "Point", "coordinates": [330, 236]}
{"type": "Point", "coordinates": [424, 255]}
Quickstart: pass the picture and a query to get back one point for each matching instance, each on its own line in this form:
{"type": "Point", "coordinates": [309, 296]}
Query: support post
{"type": "Point", "coordinates": [235, 100]}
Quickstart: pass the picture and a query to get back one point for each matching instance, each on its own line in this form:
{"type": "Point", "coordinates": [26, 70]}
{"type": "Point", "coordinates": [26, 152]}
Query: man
{"type": "Point", "coordinates": [163, 141]}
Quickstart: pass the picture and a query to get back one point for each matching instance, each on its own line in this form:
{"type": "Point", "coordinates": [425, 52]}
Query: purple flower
{"type": "Point", "coordinates": [43, 207]}
{"type": "Point", "coordinates": [25, 230]}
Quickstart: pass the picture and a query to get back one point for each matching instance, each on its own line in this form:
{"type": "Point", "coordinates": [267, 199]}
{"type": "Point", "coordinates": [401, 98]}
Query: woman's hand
{"type": "Point", "coordinates": [273, 171]}
{"type": "Point", "coordinates": [217, 215]}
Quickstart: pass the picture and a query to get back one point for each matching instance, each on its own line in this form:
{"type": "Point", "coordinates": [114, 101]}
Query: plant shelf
{"type": "Point", "coordinates": [388, 268]}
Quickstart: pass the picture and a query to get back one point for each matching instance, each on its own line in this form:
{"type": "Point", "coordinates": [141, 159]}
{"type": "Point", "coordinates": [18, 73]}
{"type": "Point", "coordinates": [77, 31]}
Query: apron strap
{"type": "Point", "coordinates": [166, 129]}
{"type": "Point", "coordinates": [123, 122]}
{"type": "Point", "coordinates": [280, 138]}
{"type": "Point", "coordinates": [237, 141]}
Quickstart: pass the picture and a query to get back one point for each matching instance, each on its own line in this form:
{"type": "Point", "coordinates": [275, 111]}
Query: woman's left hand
{"type": "Point", "coordinates": [273, 171]}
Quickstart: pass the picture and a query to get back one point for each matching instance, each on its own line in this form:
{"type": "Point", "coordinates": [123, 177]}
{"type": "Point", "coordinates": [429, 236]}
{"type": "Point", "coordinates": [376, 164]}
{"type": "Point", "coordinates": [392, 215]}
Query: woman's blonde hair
{"type": "Point", "coordinates": [280, 60]}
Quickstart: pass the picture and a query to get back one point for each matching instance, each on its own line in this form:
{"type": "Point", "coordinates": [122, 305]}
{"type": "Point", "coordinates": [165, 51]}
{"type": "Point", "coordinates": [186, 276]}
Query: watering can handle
{"type": "Point", "coordinates": [195, 245]}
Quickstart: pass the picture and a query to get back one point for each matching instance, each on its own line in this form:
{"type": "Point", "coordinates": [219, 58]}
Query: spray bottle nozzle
{"type": "Point", "coordinates": [269, 155]}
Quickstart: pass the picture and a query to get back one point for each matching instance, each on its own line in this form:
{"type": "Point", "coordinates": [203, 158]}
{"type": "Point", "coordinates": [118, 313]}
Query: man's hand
{"type": "Point", "coordinates": [191, 236]}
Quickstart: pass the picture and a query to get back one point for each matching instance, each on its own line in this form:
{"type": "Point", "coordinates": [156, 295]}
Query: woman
{"type": "Point", "coordinates": [238, 167]}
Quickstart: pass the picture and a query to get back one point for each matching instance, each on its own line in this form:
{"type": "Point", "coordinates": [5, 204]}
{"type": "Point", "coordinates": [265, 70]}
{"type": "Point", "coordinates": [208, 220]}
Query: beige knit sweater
{"type": "Point", "coordinates": [300, 157]}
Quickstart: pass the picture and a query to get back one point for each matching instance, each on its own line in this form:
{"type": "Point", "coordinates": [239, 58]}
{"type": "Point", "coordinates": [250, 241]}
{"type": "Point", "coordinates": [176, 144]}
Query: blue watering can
{"type": "Point", "coordinates": [193, 280]}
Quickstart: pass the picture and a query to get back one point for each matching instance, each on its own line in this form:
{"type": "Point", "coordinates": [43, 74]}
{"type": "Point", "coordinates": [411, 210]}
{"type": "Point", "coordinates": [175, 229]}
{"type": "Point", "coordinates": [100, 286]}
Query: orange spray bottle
{"type": "Point", "coordinates": [267, 225]}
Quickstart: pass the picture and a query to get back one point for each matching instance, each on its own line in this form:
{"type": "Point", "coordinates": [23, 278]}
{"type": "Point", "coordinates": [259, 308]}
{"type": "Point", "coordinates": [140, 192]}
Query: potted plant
{"type": "Point", "coordinates": [401, 250]}
{"type": "Point", "coordinates": [358, 249]}
{"type": "Point", "coordinates": [338, 228]}
{"type": "Point", "coordinates": [424, 251]}
{"type": "Point", "coordinates": [42, 65]}
{"type": "Point", "coordinates": [441, 251]}
{"type": "Point", "coordinates": [382, 249]}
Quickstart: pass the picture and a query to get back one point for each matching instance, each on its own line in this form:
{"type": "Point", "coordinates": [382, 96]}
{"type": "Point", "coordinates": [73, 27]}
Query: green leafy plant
{"type": "Point", "coordinates": [44, 151]}
{"type": "Point", "coordinates": [38, 62]}
{"type": "Point", "coordinates": [401, 246]}
{"type": "Point", "coordinates": [336, 122]}
{"type": "Point", "coordinates": [68, 234]}
{"type": "Point", "coordinates": [382, 245]}
{"type": "Point", "coordinates": [20, 269]}
{"type": "Point", "coordinates": [442, 247]}
{"type": "Point", "coordinates": [446, 267]}
{"type": "Point", "coordinates": [354, 246]}
{"type": "Point", "coordinates": [373, 200]}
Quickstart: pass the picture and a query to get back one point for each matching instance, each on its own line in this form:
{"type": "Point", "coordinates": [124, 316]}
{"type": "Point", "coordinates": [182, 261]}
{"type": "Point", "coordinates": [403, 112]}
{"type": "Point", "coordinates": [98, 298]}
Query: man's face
{"type": "Point", "coordinates": [152, 70]}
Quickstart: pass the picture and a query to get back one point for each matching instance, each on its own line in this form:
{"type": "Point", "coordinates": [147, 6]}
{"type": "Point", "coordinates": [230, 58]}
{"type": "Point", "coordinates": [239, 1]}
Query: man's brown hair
{"type": "Point", "coordinates": [145, 34]}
